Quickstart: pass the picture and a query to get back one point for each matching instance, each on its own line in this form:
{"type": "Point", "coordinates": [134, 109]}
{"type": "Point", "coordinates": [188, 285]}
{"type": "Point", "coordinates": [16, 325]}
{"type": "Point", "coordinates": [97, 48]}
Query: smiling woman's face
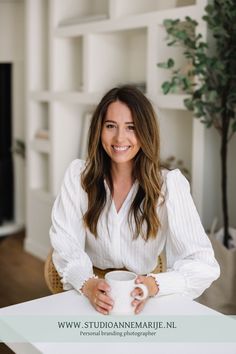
{"type": "Point", "coordinates": [118, 134]}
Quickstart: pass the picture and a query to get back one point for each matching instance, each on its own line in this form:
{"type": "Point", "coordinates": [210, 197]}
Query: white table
{"type": "Point", "coordinates": [71, 303]}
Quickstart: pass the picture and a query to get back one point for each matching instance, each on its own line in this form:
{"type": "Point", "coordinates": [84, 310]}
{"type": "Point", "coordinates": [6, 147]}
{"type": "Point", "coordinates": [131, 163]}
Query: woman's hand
{"type": "Point", "coordinates": [152, 291]}
{"type": "Point", "coordinates": [96, 291]}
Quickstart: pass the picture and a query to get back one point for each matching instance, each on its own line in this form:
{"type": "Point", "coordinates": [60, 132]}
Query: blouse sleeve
{"type": "Point", "coordinates": [67, 232]}
{"type": "Point", "coordinates": [191, 265]}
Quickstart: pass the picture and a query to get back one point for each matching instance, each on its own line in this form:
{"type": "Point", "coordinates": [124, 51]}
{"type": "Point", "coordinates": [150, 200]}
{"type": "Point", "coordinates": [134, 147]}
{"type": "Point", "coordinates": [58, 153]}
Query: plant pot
{"type": "Point", "coordinates": [221, 295]}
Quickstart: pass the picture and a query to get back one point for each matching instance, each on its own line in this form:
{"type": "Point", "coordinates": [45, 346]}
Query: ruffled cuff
{"type": "Point", "coordinates": [169, 283]}
{"type": "Point", "coordinates": [75, 276]}
{"type": "Point", "coordinates": [153, 275]}
{"type": "Point", "coordinates": [92, 277]}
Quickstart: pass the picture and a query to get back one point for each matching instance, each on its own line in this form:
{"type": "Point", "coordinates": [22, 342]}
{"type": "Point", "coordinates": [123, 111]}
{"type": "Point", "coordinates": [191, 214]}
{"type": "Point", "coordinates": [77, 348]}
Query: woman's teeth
{"type": "Point", "coordinates": [120, 148]}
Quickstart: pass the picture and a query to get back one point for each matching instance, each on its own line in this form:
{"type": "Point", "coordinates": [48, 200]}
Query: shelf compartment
{"type": "Point", "coordinates": [67, 64]}
{"type": "Point", "coordinates": [39, 173]}
{"type": "Point", "coordinates": [40, 145]}
{"type": "Point", "coordinates": [39, 119]}
{"type": "Point", "coordinates": [127, 22]}
{"type": "Point", "coordinates": [66, 129]}
{"type": "Point", "coordinates": [115, 58]}
{"type": "Point", "coordinates": [83, 152]}
{"type": "Point", "coordinates": [176, 129]}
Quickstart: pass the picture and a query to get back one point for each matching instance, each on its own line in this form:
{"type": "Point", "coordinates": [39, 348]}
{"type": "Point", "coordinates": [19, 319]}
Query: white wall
{"type": "Point", "coordinates": [12, 51]}
{"type": "Point", "coordinates": [212, 187]}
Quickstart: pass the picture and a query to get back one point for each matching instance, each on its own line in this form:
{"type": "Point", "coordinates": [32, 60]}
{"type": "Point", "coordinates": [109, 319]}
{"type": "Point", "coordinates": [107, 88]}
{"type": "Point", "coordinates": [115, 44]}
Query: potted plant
{"type": "Point", "coordinates": [209, 79]}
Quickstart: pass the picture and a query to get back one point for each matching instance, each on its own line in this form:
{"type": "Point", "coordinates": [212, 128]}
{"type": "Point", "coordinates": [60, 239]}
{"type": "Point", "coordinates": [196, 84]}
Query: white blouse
{"type": "Point", "coordinates": [191, 265]}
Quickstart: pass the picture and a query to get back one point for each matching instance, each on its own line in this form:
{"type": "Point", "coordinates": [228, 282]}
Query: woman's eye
{"type": "Point", "coordinates": [110, 126]}
{"type": "Point", "coordinates": [131, 127]}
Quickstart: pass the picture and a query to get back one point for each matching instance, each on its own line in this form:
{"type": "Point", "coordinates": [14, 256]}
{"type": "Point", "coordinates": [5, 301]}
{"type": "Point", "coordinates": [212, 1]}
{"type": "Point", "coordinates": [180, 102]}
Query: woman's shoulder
{"type": "Point", "coordinates": [173, 178]}
{"type": "Point", "coordinates": [170, 173]}
{"type": "Point", "coordinates": [76, 166]}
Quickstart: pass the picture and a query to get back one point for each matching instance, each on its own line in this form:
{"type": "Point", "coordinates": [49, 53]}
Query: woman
{"type": "Point", "coordinates": [120, 210]}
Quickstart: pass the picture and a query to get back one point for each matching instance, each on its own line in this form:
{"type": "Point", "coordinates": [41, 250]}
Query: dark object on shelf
{"type": "Point", "coordinates": [18, 148]}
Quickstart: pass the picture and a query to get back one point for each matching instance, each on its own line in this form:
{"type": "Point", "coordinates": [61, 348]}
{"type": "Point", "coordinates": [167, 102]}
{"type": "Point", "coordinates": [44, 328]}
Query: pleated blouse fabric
{"type": "Point", "coordinates": [191, 265]}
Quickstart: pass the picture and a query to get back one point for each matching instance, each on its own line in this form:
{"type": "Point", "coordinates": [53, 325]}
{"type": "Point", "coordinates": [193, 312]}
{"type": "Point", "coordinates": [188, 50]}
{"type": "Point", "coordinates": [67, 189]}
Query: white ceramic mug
{"type": "Point", "coordinates": [122, 283]}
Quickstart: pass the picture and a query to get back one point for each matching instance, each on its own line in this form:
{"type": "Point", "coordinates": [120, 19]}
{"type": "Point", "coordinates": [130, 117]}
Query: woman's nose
{"type": "Point", "coordinates": [120, 134]}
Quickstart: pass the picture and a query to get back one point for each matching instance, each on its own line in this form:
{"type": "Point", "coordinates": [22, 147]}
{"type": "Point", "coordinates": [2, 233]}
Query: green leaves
{"type": "Point", "coordinates": [188, 102]}
{"type": "Point", "coordinates": [168, 65]}
{"type": "Point", "coordinates": [210, 76]}
{"type": "Point", "coordinates": [209, 9]}
{"type": "Point", "coordinates": [234, 126]}
{"type": "Point", "coordinates": [212, 96]}
{"type": "Point", "coordinates": [177, 82]}
{"type": "Point", "coordinates": [166, 86]}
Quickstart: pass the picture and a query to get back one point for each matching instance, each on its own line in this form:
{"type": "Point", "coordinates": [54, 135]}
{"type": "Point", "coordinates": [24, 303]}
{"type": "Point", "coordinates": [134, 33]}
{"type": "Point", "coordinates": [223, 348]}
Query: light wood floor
{"type": "Point", "coordinates": [21, 275]}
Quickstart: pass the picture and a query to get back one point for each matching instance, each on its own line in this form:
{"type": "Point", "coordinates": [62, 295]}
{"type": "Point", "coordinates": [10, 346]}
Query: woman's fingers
{"type": "Point", "coordinates": [135, 302]}
{"type": "Point", "coordinates": [140, 279]}
{"type": "Point", "coordinates": [137, 292]}
{"type": "Point", "coordinates": [101, 310]}
{"type": "Point", "coordinates": [105, 299]}
{"type": "Point", "coordinates": [140, 306]}
{"type": "Point", "coordinates": [102, 302]}
{"type": "Point", "coordinates": [98, 293]}
{"type": "Point", "coordinates": [103, 305]}
{"type": "Point", "coordinates": [103, 286]}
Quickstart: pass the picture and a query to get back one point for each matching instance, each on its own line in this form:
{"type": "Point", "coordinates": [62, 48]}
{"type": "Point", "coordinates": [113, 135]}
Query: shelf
{"type": "Point", "coordinates": [41, 96]}
{"type": "Point", "coordinates": [126, 23]}
{"type": "Point", "coordinates": [40, 145]}
{"type": "Point", "coordinates": [116, 58]}
{"type": "Point", "coordinates": [66, 96]}
{"type": "Point", "coordinates": [119, 8]}
{"type": "Point", "coordinates": [176, 129]}
{"type": "Point", "coordinates": [77, 97]}
{"type": "Point", "coordinates": [69, 10]}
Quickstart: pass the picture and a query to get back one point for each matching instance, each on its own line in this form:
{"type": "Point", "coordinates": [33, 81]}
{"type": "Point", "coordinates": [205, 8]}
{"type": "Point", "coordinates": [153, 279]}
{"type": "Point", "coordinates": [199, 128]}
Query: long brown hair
{"type": "Point", "coordinates": [146, 167]}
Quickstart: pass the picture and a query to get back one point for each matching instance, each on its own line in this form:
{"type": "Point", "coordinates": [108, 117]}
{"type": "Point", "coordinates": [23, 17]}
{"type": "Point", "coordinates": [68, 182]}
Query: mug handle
{"type": "Point", "coordinates": [145, 292]}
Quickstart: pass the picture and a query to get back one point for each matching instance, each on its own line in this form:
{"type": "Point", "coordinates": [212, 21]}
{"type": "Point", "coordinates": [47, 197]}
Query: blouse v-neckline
{"type": "Point", "coordinates": [122, 209]}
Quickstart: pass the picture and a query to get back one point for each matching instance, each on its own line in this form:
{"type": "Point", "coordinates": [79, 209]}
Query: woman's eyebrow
{"type": "Point", "coordinates": [113, 121]}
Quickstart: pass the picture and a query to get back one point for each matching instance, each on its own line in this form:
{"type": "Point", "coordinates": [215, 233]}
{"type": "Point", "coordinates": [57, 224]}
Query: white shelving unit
{"type": "Point", "coordinates": [76, 51]}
